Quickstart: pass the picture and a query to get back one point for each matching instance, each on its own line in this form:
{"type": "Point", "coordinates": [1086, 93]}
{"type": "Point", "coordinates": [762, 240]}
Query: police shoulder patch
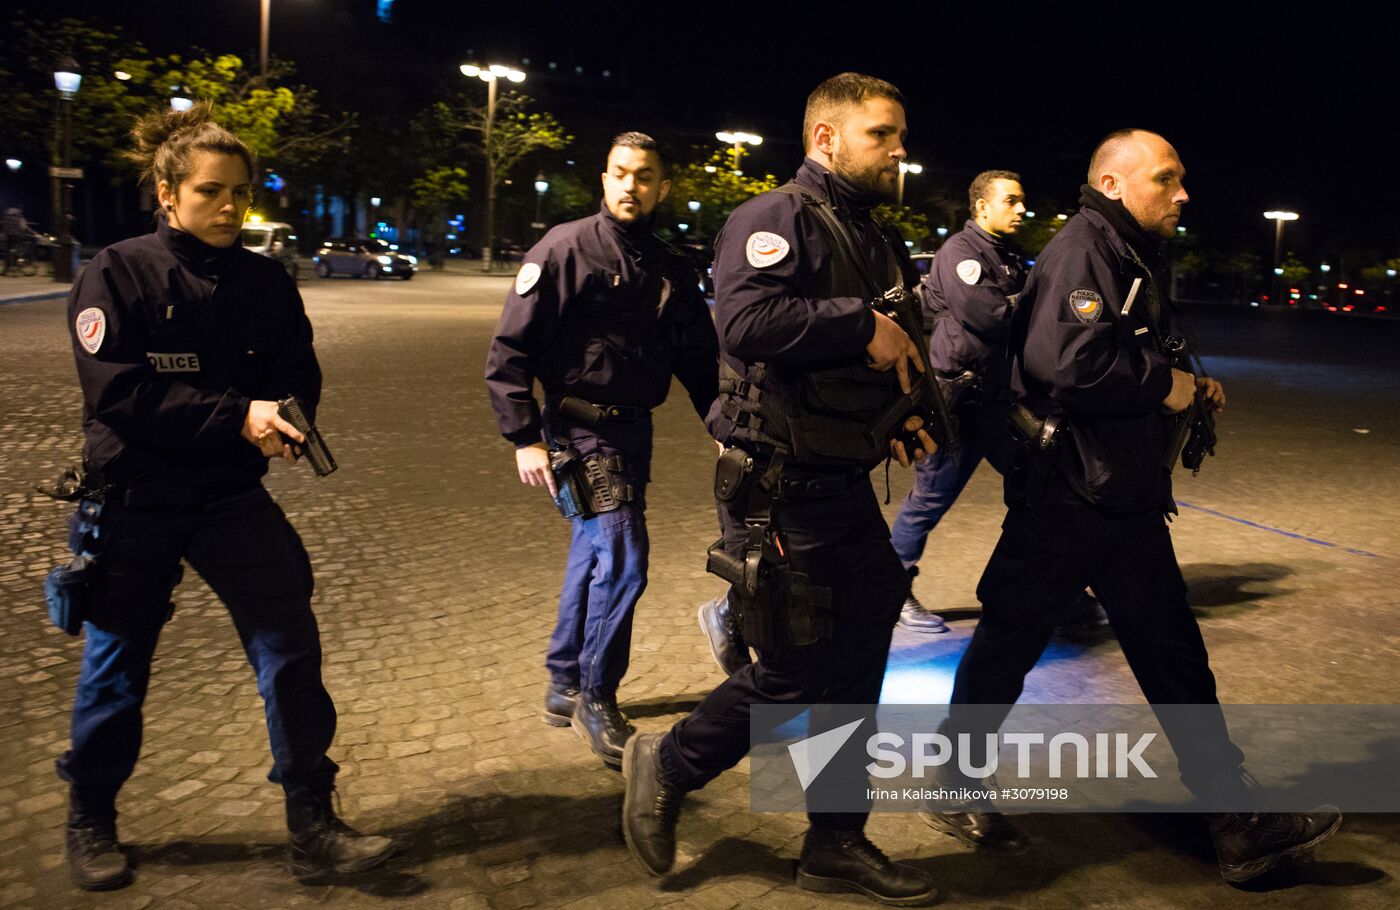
{"type": "Point", "coordinates": [1086, 305]}
{"type": "Point", "coordinates": [969, 270]}
{"type": "Point", "coordinates": [765, 249]}
{"type": "Point", "coordinates": [92, 328]}
{"type": "Point", "coordinates": [525, 278]}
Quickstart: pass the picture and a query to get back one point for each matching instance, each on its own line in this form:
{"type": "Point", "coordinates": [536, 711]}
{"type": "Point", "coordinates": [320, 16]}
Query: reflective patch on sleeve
{"type": "Point", "coordinates": [1086, 305]}
{"type": "Point", "coordinates": [969, 270]}
{"type": "Point", "coordinates": [766, 249]}
{"type": "Point", "coordinates": [525, 278]}
{"type": "Point", "coordinates": [92, 328]}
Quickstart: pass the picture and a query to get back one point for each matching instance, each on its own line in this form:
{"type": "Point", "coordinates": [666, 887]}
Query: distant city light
{"type": "Point", "coordinates": [15, 164]}
{"type": "Point", "coordinates": [907, 168]}
{"type": "Point", "coordinates": [122, 75]}
{"type": "Point", "coordinates": [1325, 267]}
{"type": "Point", "coordinates": [1281, 216]}
{"type": "Point", "coordinates": [1030, 214]}
{"type": "Point", "coordinates": [1278, 271]}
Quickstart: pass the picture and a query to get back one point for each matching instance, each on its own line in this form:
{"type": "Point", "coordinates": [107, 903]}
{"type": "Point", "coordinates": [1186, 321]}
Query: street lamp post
{"type": "Point", "coordinates": [490, 75]}
{"type": "Point", "coordinates": [265, 23]}
{"type": "Point", "coordinates": [541, 187]}
{"type": "Point", "coordinates": [66, 79]}
{"type": "Point", "coordinates": [694, 206]}
{"type": "Point", "coordinates": [1278, 218]}
{"type": "Point", "coordinates": [905, 168]}
{"type": "Point", "coordinates": [738, 140]}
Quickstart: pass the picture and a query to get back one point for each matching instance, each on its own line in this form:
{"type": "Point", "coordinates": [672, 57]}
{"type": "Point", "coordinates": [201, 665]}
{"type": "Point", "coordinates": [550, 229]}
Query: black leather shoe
{"type": "Point", "coordinates": [95, 858]}
{"type": "Point", "coordinates": [321, 841]}
{"type": "Point", "coordinates": [836, 861]}
{"type": "Point", "coordinates": [1249, 841]}
{"type": "Point", "coordinates": [721, 628]}
{"type": "Point", "coordinates": [914, 617]}
{"type": "Point", "coordinates": [599, 722]}
{"type": "Point", "coordinates": [650, 805]}
{"type": "Point", "coordinates": [991, 832]}
{"type": "Point", "coordinates": [559, 703]}
{"type": "Point", "coordinates": [1083, 617]}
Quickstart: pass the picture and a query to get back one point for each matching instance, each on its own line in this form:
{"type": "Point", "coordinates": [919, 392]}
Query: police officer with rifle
{"type": "Point", "coordinates": [822, 378]}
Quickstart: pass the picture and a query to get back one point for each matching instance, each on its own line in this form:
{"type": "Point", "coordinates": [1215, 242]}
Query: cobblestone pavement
{"type": "Point", "coordinates": [437, 576]}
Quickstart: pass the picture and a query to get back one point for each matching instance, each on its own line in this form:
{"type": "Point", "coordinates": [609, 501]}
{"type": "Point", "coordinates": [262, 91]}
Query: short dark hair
{"type": "Point", "coordinates": [830, 100]}
{"type": "Point", "coordinates": [982, 185]}
{"type": "Point", "coordinates": [640, 141]}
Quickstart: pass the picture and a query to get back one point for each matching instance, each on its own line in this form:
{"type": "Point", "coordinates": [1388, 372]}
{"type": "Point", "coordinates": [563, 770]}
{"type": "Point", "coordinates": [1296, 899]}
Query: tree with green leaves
{"type": "Point", "coordinates": [501, 141]}
{"type": "Point", "coordinates": [713, 183]}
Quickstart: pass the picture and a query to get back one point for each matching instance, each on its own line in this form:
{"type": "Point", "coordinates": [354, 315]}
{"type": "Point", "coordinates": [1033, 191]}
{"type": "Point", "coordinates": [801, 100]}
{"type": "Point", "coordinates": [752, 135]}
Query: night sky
{"type": "Point", "coordinates": [1296, 113]}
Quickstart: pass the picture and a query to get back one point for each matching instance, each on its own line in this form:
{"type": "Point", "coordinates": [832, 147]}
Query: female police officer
{"type": "Point", "coordinates": [184, 342]}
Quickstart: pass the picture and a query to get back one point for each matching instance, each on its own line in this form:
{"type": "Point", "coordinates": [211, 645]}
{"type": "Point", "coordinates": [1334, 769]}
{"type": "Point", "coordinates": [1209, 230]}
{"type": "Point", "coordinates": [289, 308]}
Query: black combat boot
{"type": "Point", "coordinates": [988, 831]}
{"type": "Point", "coordinates": [559, 703]}
{"type": "Point", "coordinates": [321, 841]}
{"type": "Point", "coordinates": [835, 861]}
{"type": "Point", "coordinates": [721, 628]}
{"type": "Point", "coordinates": [1083, 617]}
{"type": "Point", "coordinates": [95, 858]}
{"type": "Point", "coordinates": [600, 723]}
{"type": "Point", "coordinates": [915, 617]}
{"type": "Point", "coordinates": [1248, 841]}
{"type": "Point", "coordinates": [650, 805]}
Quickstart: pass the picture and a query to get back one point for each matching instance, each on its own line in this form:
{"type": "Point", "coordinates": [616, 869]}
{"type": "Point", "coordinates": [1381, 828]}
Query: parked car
{"type": "Point", "coordinates": [274, 240]}
{"type": "Point", "coordinates": [363, 258]}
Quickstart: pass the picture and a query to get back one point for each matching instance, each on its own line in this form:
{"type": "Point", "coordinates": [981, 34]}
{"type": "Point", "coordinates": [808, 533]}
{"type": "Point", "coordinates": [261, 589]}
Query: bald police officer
{"type": "Point", "coordinates": [1092, 344]}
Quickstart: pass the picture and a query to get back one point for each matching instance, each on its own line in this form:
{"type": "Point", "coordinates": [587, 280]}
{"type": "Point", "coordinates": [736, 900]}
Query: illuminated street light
{"type": "Point", "coordinates": [1278, 218]}
{"type": "Point", "coordinates": [491, 75]}
{"type": "Point", "coordinates": [905, 168]}
{"type": "Point", "coordinates": [122, 75]}
{"type": "Point", "coordinates": [738, 140]}
{"type": "Point", "coordinates": [66, 79]}
{"type": "Point", "coordinates": [1030, 214]}
{"type": "Point", "coordinates": [1325, 267]}
{"type": "Point", "coordinates": [14, 164]}
{"type": "Point", "coordinates": [541, 187]}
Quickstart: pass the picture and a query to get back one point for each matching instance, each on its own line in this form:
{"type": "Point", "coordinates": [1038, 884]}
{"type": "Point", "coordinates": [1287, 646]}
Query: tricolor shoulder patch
{"type": "Point", "coordinates": [1086, 305]}
{"type": "Point", "coordinates": [92, 328]}
{"type": "Point", "coordinates": [969, 270]}
{"type": "Point", "coordinates": [525, 278]}
{"type": "Point", "coordinates": [765, 249]}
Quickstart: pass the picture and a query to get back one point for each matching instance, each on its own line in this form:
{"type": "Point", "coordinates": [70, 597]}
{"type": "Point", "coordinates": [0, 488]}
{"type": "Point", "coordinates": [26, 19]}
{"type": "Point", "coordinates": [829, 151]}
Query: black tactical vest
{"type": "Point", "coordinates": [821, 414]}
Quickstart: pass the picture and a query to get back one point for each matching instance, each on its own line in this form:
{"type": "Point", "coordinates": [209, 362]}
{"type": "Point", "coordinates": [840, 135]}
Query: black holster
{"type": "Point", "coordinates": [588, 485]}
{"type": "Point", "coordinates": [777, 605]}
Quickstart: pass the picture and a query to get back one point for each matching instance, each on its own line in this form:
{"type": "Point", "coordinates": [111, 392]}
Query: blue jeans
{"type": "Point", "coordinates": [605, 577]}
{"type": "Point", "coordinates": [937, 483]}
{"type": "Point", "coordinates": [252, 558]}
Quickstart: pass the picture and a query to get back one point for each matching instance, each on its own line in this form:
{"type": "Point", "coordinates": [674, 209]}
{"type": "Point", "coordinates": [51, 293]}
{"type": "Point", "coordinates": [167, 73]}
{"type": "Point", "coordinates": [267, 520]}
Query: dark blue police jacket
{"type": "Point", "coordinates": [773, 275]}
{"type": "Point", "coordinates": [1082, 357]}
{"type": "Point", "coordinates": [605, 312]}
{"type": "Point", "coordinates": [969, 290]}
{"type": "Point", "coordinates": [173, 338]}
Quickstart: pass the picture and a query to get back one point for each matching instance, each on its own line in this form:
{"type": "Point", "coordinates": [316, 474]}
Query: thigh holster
{"type": "Point", "coordinates": [777, 604]}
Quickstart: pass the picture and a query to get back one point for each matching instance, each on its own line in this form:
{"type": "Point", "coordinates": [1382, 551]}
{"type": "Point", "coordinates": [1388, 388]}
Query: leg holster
{"type": "Point", "coordinates": [777, 604]}
{"type": "Point", "coordinates": [588, 485]}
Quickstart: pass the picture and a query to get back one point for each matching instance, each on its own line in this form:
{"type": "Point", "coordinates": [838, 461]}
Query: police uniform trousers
{"type": "Point", "coordinates": [841, 542]}
{"type": "Point", "coordinates": [242, 545]}
{"type": "Point", "coordinates": [938, 481]}
{"type": "Point", "coordinates": [605, 575]}
{"type": "Point", "coordinates": [1047, 553]}
{"type": "Point", "coordinates": [940, 478]}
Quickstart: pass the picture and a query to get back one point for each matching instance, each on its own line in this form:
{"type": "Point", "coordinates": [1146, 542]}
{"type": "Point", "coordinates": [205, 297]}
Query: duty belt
{"type": "Point", "coordinates": [588, 414]}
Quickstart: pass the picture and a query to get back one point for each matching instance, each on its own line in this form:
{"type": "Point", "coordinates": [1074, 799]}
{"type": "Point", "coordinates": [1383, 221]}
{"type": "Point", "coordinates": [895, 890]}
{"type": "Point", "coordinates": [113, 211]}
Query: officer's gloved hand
{"type": "Point", "coordinates": [914, 436]}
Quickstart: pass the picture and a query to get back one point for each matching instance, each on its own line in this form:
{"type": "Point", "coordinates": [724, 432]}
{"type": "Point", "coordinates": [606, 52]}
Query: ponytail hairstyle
{"type": "Point", "coordinates": [167, 140]}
